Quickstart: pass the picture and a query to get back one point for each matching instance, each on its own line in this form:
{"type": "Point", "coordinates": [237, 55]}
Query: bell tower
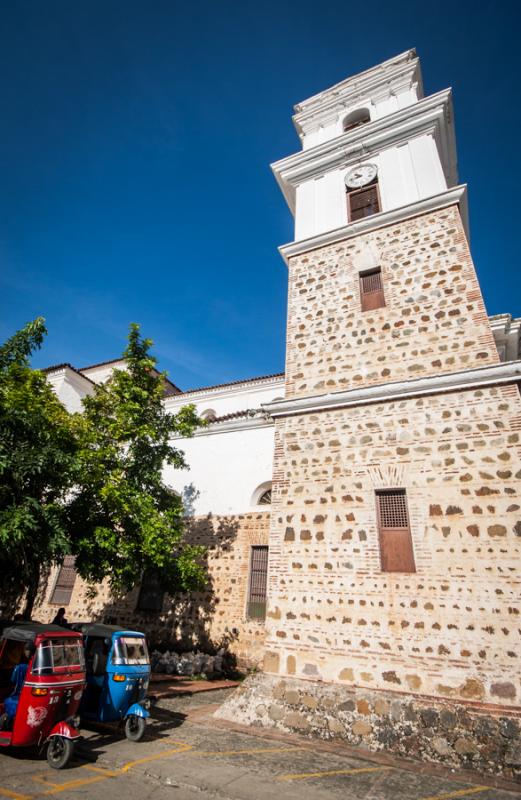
{"type": "Point", "coordinates": [395, 534]}
{"type": "Point", "coordinates": [373, 130]}
{"type": "Point", "coordinates": [375, 194]}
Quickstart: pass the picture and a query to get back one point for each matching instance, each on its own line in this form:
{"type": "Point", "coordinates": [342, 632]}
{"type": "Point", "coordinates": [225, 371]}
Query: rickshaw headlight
{"type": "Point", "coordinates": [118, 678]}
{"type": "Point", "coordinates": [39, 691]}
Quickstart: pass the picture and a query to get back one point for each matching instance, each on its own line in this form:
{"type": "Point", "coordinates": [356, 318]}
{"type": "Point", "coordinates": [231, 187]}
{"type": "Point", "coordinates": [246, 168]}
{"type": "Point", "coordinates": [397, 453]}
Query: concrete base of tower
{"type": "Point", "coordinates": [466, 735]}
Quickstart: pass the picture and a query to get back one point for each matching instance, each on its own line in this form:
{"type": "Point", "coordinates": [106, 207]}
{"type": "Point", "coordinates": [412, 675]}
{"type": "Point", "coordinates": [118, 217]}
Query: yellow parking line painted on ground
{"type": "Point", "coordinates": [300, 776]}
{"type": "Point", "coordinates": [459, 793]}
{"type": "Point", "coordinates": [63, 787]}
{"type": "Point", "coordinates": [14, 795]}
{"type": "Point", "coordinates": [103, 774]}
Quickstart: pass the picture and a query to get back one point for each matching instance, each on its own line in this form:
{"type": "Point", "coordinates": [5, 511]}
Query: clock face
{"type": "Point", "coordinates": [359, 176]}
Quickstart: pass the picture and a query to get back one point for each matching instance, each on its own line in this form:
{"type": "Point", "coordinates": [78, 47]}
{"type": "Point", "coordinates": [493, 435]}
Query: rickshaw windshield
{"type": "Point", "coordinates": [58, 655]}
{"type": "Point", "coordinates": [130, 650]}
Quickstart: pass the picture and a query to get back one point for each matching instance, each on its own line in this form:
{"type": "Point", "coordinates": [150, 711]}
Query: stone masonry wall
{"type": "Point", "coordinates": [452, 628]}
{"type": "Point", "coordinates": [206, 619]}
{"type": "Point", "coordinates": [434, 320]}
{"type": "Point", "coordinates": [424, 663]}
{"type": "Point", "coordinates": [456, 735]}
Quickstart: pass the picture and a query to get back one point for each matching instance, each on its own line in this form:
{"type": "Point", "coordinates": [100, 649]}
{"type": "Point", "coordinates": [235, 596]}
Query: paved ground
{"type": "Point", "coordinates": [187, 756]}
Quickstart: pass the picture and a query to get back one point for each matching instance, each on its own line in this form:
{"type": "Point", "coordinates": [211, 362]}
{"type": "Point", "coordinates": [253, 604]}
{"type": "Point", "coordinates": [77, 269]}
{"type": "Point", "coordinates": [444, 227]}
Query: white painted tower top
{"type": "Point", "coordinates": [383, 89]}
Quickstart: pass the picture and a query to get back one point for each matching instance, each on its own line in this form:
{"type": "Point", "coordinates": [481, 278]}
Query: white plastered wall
{"type": "Point", "coordinates": [406, 173]}
{"type": "Point", "coordinates": [70, 389]}
{"type": "Point", "coordinates": [225, 469]}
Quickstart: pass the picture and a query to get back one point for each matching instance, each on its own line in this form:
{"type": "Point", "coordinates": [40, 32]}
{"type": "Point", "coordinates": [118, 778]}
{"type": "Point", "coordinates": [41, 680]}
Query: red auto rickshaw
{"type": "Point", "coordinates": [42, 677]}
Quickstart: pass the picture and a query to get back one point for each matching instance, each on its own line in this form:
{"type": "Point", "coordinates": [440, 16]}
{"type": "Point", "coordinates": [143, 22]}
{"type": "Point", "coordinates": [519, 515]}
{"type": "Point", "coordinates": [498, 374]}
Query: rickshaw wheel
{"type": "Point", "coordinates": [59, 752]}
{"type": "Point", "coordinates": [135, 728]}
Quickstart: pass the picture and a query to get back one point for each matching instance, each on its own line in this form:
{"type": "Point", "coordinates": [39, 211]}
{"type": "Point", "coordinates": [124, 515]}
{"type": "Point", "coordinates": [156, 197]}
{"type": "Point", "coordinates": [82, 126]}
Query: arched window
{"type": "Point", "coordinates": [262, 495]}
{"type": "Point", "coordinates": [209, 415]}
{"type": "Point", "coordinates": [356, 118]}
{"type": "Point", "coordinates": [265, 498]}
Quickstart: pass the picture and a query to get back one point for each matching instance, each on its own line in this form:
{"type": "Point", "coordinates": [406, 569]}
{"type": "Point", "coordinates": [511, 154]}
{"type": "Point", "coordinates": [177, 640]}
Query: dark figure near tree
{"type": "Point", "coordinates": [60, 619]}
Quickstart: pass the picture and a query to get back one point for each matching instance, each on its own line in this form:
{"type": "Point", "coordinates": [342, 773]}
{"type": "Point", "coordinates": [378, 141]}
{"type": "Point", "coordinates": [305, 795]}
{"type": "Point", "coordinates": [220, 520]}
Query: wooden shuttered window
{"type": "Point", "coordinates": [62, 592]}
{"type": "Point", "coordinates": [396, 551]}
{"type": "Point", "coordinates": [258, 582]}
{"type": "Point", "coordinates": [151, 593]}
{"type": "Point", "coordinates": [371, 290]}
{"type": "Point", "coordinates": [363, 202]}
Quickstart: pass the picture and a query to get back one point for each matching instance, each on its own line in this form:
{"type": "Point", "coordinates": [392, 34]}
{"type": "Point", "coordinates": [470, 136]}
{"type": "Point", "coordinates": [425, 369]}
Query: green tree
{"type": "Point", "coordinates": [38, 468]}
{"type": "Point", "coordinates": [124, 520]}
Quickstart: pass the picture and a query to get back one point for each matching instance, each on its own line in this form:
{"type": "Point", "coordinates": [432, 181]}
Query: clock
{"type": "Point", "coordinates": [360, 176]}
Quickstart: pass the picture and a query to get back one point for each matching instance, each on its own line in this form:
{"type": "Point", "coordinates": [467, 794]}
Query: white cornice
{"type": "Point", "coordinates": [71, 375]}
{"type": "Point", "coordinates": [431, 115]}
{"type": "Point", "coordinates": [246, 423]}
{"type": "Point", "coordinates": [509, 372]}
{"type": "Point", "coordinates": [225, 390]}
{"type": "Point", "coordinates": [450, 197]}
{"type": "Point", "coordinates": [390, 76]}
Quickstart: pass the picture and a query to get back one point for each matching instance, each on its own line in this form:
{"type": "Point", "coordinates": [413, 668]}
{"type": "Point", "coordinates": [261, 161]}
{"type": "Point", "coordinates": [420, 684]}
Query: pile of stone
{"type": "Point", "coordinates": [193, 664]}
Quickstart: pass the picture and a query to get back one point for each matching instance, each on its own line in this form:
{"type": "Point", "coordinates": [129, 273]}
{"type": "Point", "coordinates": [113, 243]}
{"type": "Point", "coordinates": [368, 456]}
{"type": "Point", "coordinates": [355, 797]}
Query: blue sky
{"type": "Point", "coordinates": [135, 145]}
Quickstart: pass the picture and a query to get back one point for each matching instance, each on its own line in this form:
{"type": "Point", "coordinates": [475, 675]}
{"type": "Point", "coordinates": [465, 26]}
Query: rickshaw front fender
{"type": "Point", "coordinates": [65, 730]}
{"type": "Point", "coordinates": [137, 711]}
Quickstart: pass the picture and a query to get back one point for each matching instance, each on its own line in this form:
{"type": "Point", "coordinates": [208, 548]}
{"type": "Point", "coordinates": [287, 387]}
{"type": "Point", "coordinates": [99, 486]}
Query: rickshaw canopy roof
{"type": "Point", "coordinates": [106, 631]}
{"type": "Point", "coordinates": [28, 631]}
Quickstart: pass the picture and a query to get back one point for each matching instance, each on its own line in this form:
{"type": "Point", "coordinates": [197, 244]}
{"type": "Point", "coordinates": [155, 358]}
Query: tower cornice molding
{"type": "Point", "coordinates": [392, 75]}
{"type": "Point", "coordinates": [492, 375]}
{"type": "Point", "coordinates": [455, 196]}
{"type": "Point", "coordinates": [432, 115]}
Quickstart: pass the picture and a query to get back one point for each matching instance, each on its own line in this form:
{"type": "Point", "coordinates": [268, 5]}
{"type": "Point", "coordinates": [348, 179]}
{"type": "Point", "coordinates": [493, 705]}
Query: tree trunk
{"type": "Point", "coordinates": [32, 591]}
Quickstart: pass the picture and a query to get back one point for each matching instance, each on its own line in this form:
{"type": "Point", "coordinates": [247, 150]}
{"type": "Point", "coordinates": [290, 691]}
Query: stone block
{"type": "Point", "coordinates": [466, 747]}
{"type": "Point", "coordinates": [441, 746]}
{"type": "Point", "coordinates": [279, 690]}
{"type": "Point", "coordinates": [361, 728]}
{"type": "Point", "coordinates": [381, 707]}
{"type": "Point", "coordinates": [335, 726]}
{"type": "Point", "coordinates": [296, 720]}
{"type": "Point", "coordinates": [292, 697]}
{"type": "Point", "coordinates": [363, 707]}
{"type": "Point", "coordinates": [276, 713]}
{"type": "Point", "coordinates": [309, 701]}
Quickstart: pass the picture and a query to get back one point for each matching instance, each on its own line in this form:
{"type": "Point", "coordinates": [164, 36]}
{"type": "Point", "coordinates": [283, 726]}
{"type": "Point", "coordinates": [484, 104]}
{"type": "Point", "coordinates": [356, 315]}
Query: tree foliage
{"type": "Point", "coordinates": [38, 466]}
{"type": "Point", "coordinates": [124, 520]}
{"type": "Point", "coordinates": [90, 484]}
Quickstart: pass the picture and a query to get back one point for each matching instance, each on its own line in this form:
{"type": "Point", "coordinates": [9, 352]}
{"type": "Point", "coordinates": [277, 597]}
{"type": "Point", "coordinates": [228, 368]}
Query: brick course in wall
{"type": "Point", "coordinates": [197, 620]}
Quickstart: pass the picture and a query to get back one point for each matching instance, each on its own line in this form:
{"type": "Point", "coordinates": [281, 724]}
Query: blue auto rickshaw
{"type": "Point", "coordinates": [118, 673]}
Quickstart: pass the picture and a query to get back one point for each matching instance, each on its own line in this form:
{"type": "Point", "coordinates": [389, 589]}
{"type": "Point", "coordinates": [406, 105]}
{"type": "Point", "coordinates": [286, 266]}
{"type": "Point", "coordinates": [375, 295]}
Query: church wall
{"type": "Point", "coordinates": [224, 469]}
{"type": "Point", "coordinates": [209, 619]}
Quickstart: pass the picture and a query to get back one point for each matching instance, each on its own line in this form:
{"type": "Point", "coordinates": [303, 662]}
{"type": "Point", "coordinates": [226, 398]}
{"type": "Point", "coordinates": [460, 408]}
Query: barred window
{"type": "Point", "coordinates": [65, 580]}
{"type": "Point", "coordinates": [371, 290]}
{"type": "Point", "coordinates": [265, 498]}
{"type": "Point", "coordinates": [258, 582]}
{"type": "Point", "coordinates": [396, 550]}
